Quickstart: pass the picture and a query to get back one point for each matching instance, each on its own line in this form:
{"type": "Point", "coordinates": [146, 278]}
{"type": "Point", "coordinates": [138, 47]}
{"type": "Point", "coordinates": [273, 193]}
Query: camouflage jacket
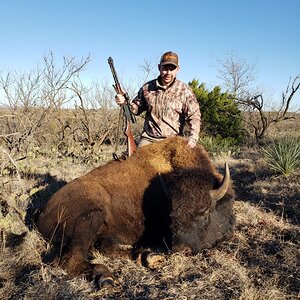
{"type": "Point", "coordinates": [168, 110]}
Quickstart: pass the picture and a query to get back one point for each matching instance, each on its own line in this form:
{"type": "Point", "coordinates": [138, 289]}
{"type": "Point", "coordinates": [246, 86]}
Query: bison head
{"type": "Point", "coordinates": [202, 213]}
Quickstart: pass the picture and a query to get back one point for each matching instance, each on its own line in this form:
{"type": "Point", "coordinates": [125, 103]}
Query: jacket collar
{"type": "Point", "coordinates": [161, 86]}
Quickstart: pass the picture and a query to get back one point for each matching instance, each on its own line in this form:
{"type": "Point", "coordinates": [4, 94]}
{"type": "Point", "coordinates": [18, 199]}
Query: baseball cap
{"type": "Point", "coordinates": [169, 58]}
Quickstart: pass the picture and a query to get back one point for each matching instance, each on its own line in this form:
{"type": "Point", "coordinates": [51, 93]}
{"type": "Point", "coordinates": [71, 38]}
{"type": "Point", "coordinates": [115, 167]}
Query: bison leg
{"type": "Point", "coordinates": [76, 261]}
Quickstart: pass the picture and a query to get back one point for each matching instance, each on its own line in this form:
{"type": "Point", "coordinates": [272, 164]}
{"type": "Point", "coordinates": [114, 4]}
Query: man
{"type": "Point", "coordinates": [169, 104]}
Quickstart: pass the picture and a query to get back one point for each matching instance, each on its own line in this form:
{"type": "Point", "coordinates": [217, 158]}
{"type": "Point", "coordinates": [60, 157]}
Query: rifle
{"type": "Point", "coordinates": [129, 117]}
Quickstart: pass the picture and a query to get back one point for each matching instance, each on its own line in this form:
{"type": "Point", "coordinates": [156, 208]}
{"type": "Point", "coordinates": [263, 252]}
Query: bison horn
{"type": "Point", "coordinates": [220, 192]}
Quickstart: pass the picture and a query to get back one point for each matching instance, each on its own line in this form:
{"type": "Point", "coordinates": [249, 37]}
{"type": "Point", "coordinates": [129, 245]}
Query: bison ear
{"type": "Point", "coordinates": [220, 192]}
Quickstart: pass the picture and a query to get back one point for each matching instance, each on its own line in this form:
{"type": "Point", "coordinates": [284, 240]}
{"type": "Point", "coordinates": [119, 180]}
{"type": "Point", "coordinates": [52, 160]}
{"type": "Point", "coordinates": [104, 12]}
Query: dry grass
{"type": "Point", "coordinates": [261, 260]}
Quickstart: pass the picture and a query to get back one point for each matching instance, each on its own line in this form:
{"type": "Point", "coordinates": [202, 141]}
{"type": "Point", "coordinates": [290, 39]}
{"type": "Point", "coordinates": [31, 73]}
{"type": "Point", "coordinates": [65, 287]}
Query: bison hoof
{"type": "Point", "coordinates": [102, 282]}
{"type": "Point", "coordinates": [102, 276]}
{"type": "Point", "coordinates": [184, 250]}
{"type": "Point", "coordinates": [152, 260]}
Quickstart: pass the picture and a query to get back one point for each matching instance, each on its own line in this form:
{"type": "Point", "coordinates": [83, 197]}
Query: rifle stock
{"type": "Point", "coordinates": [131, 145]}
{"type": "Point", "coordinates": [129, 117]}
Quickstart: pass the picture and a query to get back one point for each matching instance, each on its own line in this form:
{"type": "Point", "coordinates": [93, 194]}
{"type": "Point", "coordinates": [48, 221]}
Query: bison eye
{"type": "Point", "coordinates": [203, 217]}
{"type": "Point", "coordinates": [201, 210]}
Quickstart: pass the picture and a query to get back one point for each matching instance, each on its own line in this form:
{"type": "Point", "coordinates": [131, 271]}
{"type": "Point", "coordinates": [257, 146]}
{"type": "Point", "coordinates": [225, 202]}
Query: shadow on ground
{"type": "Point", "coordinates": [39, 199]}
{"type": "Point", "coordinates": [278, 194]}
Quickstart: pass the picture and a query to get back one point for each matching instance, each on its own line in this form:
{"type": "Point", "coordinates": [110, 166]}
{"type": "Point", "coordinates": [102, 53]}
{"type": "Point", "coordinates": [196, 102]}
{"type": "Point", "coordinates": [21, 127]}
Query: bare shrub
{"type": "Point", "coordinates": [238, 76]}
{"type": "Point", "coordinates": [32, 96]}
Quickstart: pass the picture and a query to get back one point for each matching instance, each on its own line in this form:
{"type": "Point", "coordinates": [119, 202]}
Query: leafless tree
{"type": "Point", "coordinates": [261, 120]}
{"type": "Point", "coordinates": [237, 75]}
{"type": "Point", "coordinates": [94, 120]}
{"type": "Point", "coordinates": [25, 105]}
{"type": "Point", "coordinates": [102, 95]}
{"type": "Point", "coordinates": [57, 78]}
{"type": "Point", "coordinates": [147, 68]}
{"type": "Point", "coordinates": [32, 98]}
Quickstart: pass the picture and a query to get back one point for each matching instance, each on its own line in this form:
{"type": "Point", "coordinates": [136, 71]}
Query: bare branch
{"type": "Point", "coordinates": [147, 69]}
{"type": "Point", "coordinates": [15, 165]}
{"type": "Point", "coordinates": [9, 134]}
{"type": "Point", "coordinates": [57, 78]}
{"type": "Point", "coordinates": [255, 106]}
{"type": "Point", "coordinates": [236, 74]}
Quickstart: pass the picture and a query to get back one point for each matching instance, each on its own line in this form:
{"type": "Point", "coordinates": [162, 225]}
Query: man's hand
{"type": "Point", "coordinates": [120, 99]}
{"type": "Point", "coordinates": [191, 143]}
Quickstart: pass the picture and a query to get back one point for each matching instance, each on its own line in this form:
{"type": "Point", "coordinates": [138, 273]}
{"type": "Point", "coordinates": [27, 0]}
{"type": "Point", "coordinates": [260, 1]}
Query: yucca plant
{"type": "Point", "coordinates": [283, 156]}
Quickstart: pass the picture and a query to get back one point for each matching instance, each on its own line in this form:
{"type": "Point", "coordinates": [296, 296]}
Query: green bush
{"type": "Point", "coordinates": [283, 156]}
{"type": "Point", "coordinates": [220, 116]}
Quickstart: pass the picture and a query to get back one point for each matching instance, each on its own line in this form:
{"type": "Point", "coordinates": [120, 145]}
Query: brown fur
{"type": "Point", "coordinates": [124, 203]}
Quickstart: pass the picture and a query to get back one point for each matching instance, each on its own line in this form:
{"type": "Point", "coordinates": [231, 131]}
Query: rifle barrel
{"type": "Point", "coordinates": [117, 85]}
{"type": "Point", "coordinates": [129, 116]}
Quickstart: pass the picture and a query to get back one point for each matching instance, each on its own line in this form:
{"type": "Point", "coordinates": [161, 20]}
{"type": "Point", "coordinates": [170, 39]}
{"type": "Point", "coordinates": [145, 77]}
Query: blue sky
{"type": "Point", "coordinates": [265, 32]}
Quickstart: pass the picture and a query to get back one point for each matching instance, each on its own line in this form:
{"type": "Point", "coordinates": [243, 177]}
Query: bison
{"type": "Point", "coordinates": [166, 196]}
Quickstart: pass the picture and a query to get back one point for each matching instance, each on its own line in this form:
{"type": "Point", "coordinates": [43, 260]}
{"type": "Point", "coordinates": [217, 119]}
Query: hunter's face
{"type": "Point", "coordinates": [168, 73]}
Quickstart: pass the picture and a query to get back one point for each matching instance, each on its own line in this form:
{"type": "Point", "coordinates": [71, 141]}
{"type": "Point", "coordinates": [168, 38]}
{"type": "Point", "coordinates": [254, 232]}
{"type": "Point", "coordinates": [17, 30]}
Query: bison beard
{"type": "Point", "coordinates": [165, 196]}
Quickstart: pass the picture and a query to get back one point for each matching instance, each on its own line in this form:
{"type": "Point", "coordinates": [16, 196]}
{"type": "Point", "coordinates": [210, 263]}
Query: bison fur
{"type": "Point", "coordinates": [165, 195]}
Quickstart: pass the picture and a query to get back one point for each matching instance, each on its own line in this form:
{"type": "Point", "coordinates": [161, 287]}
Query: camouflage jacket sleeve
{"type": "Point", "coordinates": [138, 104]}
{"type": "Point", "coordinates": [192, 115]}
